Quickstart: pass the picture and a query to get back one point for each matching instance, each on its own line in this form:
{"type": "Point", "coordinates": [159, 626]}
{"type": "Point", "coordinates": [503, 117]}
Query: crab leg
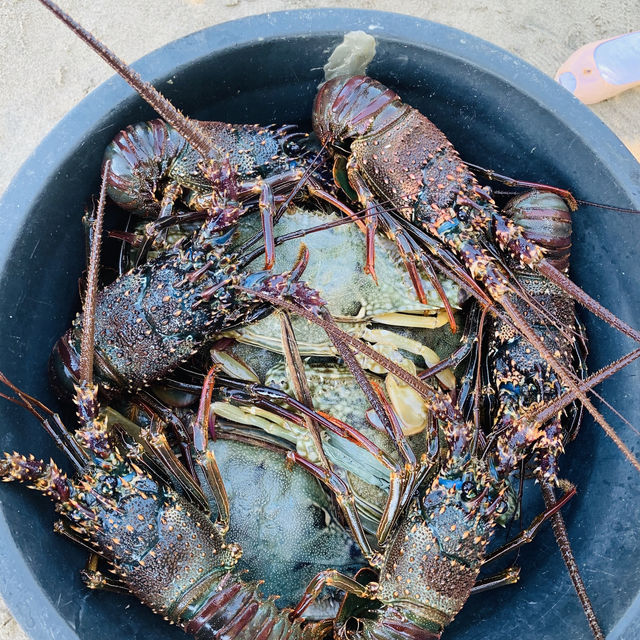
{"type": "Point", "coordinates": [300, 382]}
{"type": "Point", "coordinates": [205, 458]}
{"type": "Point", "coordinates": [264, 396]}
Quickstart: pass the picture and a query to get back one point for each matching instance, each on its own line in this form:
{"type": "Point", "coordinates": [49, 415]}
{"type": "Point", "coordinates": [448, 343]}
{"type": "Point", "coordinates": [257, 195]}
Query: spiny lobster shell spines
{"type": "Point", "coordinates": [156, 316]}
{"type": "Point", "coordinates": [146, 156]}
{"type": "Point", "coordinates": [166, 551]}
{"type": "Point", "coordinates": [410, 161]}
{"type": "Point", "coordinates": [521, 377]}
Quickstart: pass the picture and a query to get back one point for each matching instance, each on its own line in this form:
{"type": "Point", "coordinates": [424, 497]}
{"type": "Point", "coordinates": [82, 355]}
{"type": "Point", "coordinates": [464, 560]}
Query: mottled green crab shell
{"type": "Point", "coordinates": [336, 270]}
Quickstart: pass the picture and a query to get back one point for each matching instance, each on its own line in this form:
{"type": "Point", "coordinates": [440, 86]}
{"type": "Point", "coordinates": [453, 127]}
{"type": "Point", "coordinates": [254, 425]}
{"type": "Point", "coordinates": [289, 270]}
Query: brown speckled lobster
{"type": "Point", "coordinates": [412, 181]}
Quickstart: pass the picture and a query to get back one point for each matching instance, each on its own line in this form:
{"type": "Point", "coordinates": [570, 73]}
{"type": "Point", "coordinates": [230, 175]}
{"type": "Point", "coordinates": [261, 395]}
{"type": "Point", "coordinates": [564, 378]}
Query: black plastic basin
{"type": "Point", "coordinates": [500, 113]}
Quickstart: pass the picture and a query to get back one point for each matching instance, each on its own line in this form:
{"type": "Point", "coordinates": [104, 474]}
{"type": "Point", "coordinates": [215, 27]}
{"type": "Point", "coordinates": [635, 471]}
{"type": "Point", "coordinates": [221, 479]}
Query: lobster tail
{"type": "Point", "coordinates": [545, 219]}
{"type": "Point", "coordinates": [390, 624]}
{"type": "Point", "coordinates": [236, 610]}
{"type": "Point", "coordinates": [346, 107]}
{"type": "Point", "coordinates": [141, 156]}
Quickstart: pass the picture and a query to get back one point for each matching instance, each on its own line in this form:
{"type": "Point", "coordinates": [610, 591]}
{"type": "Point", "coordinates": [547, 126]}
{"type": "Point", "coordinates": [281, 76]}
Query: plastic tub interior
{"type": "Point", "coordinates": [500, 113]}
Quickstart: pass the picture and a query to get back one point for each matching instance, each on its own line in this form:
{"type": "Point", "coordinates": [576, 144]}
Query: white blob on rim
{"type": "Point", "coordinates": [352, 56]}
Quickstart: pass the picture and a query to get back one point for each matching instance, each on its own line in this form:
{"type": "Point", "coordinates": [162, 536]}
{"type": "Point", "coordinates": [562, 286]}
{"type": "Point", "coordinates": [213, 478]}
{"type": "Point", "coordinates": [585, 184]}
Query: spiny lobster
{"type": "Point", "coordinates": [160, 546]}
{"type": "Point", "coordinates": [514, 380]}
{"type": "Point", "coordinates": [430, 200]}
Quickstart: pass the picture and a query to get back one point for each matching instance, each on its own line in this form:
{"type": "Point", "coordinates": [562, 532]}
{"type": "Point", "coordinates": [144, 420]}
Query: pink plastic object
{"type": "Point", "coordinates": [602, 69]}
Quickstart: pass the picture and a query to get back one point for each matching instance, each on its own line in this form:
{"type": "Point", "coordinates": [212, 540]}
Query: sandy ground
{"type": "Point", "coordinates": [45, 70]}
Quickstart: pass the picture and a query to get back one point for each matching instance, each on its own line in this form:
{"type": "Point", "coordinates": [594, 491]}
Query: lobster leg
{"type": "Point", "coordinates": [508, 576]}
{"type": "Point", "coordinates": [151, 402]}
{"type": "Point", "coordinates": [332, 578]}
{"type": "Point", "coordinates": [478, 376]}
{"type": "Point", "coordinates": [528, 534]}
{"type": "Point", "coordinates": [169, 197]}
{"type": "Point", "coordinates": [454, 358]}
{"type": "Point", "coordinates": [316, 191]}
{"type": "Point", "coordinates": [427, 265]}
{"type": "Point", "coordinates": [157, 230]}
{"type": "Point", "coordinates": [267, 212]}
{"type": "Point", "coordinates": [94, 579]}
{"type": "Point", "coordinates": [65, 529]}
{"type": "Point", "coordinates": [403, 242]}
{"type": "Point", "coordinates": [300, 233]}
{"type": "Point", "coordinates": [406, 481]}
{"type": "Point", "coordinates": [412, 254]}
{"type": "Point", "coordinates": [371, 207]}
{"type": "Point", "coordinates": [155, 442]}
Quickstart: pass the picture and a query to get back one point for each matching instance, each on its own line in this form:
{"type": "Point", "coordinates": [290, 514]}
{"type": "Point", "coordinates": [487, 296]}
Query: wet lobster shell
{"type": "Point", "coordinates": [480, 97]}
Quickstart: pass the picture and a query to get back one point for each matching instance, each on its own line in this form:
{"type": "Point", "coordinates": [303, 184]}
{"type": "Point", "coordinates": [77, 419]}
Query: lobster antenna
{"type": "Point", "coordinates": [519, 322]}
{"type": "Point", "coordinates": [562, 538]}
{"type": "Point", "coordinates": [88, 328]}
{"type": "Point", "coordinates": [190, 130]}
{"type": "Point", "coordinates": [593, 380]}
{"type": "Point", "coordinates": [583, 298]}
{"type": "Point", "coordinates": [599, 205]}
{"type": "Point", "coordinates": [587, 203]}
{"type": "Point", "coordinates": [569, 379]}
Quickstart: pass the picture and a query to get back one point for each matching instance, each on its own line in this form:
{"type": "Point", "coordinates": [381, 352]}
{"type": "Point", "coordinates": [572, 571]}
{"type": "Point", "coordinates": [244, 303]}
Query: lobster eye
{"type": "Point", "coordinates": [463, 214]}
{"type": "Point", "coordinates": [108, 486]}
{"type": "Point", "coordinates": [291, 148]}
{"type": "Point", "coordinates": [469, 490]}
{"type": "Point", "coordinates": [501, 508]}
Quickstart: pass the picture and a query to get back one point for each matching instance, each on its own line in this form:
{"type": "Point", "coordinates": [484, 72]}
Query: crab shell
{"type": "Point", "coordinates": [387, 314]}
